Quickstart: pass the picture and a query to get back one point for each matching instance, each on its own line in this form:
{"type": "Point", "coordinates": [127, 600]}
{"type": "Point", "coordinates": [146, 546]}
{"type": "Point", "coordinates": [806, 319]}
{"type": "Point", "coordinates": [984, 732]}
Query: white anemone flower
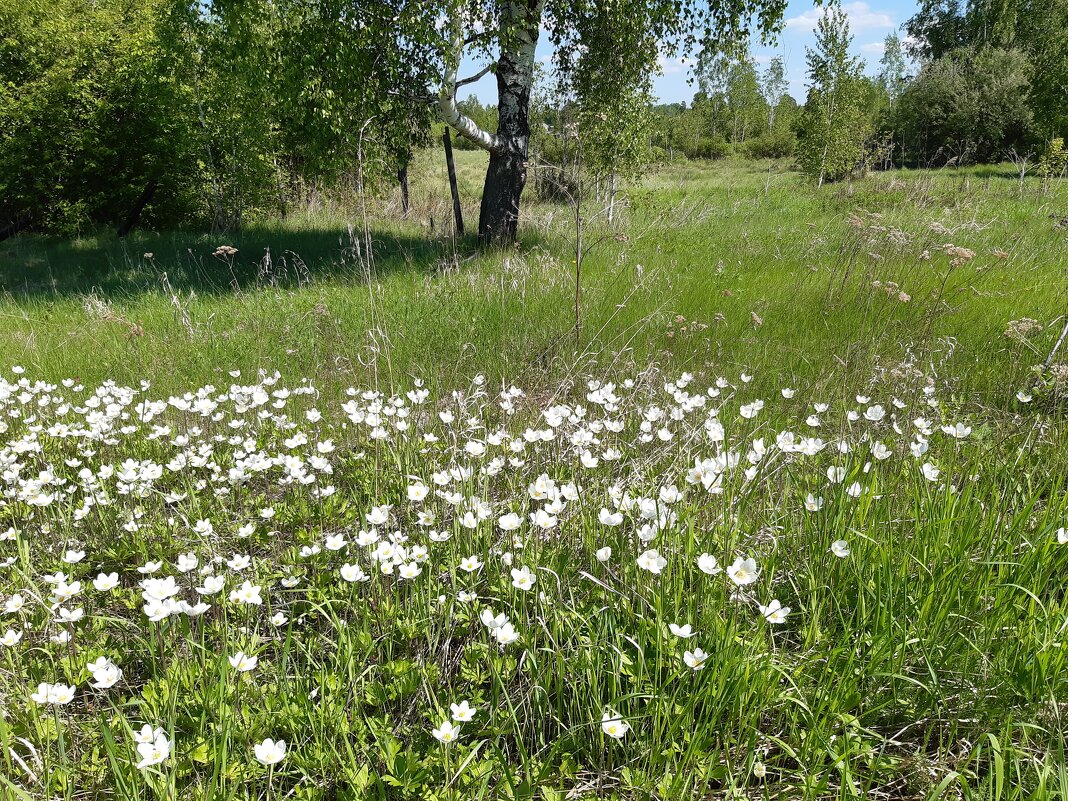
{"type": "Point", "coordinates": [270, 752]}
{"type": "Point", "coordinates": [695, 659]}
{"type": "Point", "coordinates": [614, 726]}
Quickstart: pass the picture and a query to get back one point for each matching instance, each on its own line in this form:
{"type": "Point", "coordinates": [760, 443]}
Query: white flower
{"type": "Point", "coordinates": [70, 615]}
{"type": "Point", "coordinates": [708, 564]}
{"type": "Point", "coordinates": [604, 554]}
{"type": "Point", "coordinates": [147, 734]}
{"type": "Point", "coordinates": [491, 621]}
{"type": "Point", "coordinates": [543, 520]}
{"type": "Point", "coordinates": [685, 632]}
{"type": "Point", "coordinates": [247, 593]}
{"type": "Point", "coordinates": [751, 410]}
{"type": "Point", "coordinates": [11, 638]}
{"type": "Point", "coordinates": [470, 564]}
{"type": "Point", "coordinates": [614, 726]}
{"type": "Point", "coordinates": [506, 634]}
{"type": "Point", "coordinates": [695, 658]}
{"type": "Point", "coordinates": [1062, 536]}
{"type": "Point", "coordinates": [212, 585]}
{"type": "Point", "coordinates": [242, 662]}
{"type": "Point", "coordinates": [462, 712]}
{"type": "Point", "coordinates": [743, 571]}
{"type": "Point", "coordinates": [840, 548]}
{"type": "Point", "coordinates": [610, 518]}
{"type": "Point", "coordinates": [447, 733]}
{"type": "Point", "coordinates": [523, 579]}
{"type": "Point", "coordinates": [155, 752]}
{"type": "Point", "coordinates": [509, 522]}
{"type": "Point", "coordinates": [270, 752]}
{"type": "Point", "coordinates": [55, 694]}
{"type": "Point", "coordinates": [774, 612]}
{"type": "Point", "coordinates": [105, 673]}
{"type": "Point", "coordinates": [930, 472]}
{"type": "Point", "coordinates": [409, 570]}
{"type": "Point", "coordinates": [875, 413]}
{"type": "Point", "coordinates": [652, 561]}
{"type": "Point", "coordinates": [958, 431]}
{"type": "Point", "coordinates": [352, 573]}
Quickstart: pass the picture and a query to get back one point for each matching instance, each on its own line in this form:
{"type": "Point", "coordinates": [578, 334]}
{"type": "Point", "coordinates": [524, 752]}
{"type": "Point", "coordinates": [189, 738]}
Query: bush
{"type": "Point", "coordinates": [771, 145]}
{"type": "Point", "coordinates": [969, 105]}
{"type": "Point", "coordinates": [711, 147]}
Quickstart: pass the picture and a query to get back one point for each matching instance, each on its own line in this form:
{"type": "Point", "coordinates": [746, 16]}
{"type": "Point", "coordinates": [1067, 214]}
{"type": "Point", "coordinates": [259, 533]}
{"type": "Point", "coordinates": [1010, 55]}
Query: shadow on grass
{"type": "Point", "coordinates": [34, 266]}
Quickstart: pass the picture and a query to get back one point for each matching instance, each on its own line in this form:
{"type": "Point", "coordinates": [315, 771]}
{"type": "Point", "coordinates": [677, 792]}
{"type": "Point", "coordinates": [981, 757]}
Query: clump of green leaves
{"type": "Point", "coordinates": [834, 125]}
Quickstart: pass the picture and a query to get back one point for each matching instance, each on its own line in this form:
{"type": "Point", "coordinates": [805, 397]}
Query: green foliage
{"type": "Point", "coordinates": [227, 108]}
{"type": "Point", "coordinates": [776, 144]}
{"type": "Point", "coordinates": [893, 73]}
{"type": "Point", "coordinates": [90, 113]}
{"type": "Point", "coordinates": [1037, 29]}
{"type": "Point", "coordinates": [734, 110]}
{"type": "Point", "coordinates": [773, 85]}
{"type": "Point", "coordinates": [1054, 159]}
{"type": "Point", "coordinates": [837, 120]}
{"type": "Point", "coordinates": [970, 105]}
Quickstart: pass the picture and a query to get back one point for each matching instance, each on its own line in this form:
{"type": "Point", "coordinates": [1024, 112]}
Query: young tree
{"type": "Point", "coordinates": [506, 33]}
{"type": "Point", "coordinates": [834, 125]}
{"type": "Point", "coordinates": [747, 105]}
{"type": "Point", "coordinates": [774, 85]}
{"type": "Point", "coordinates": [893, 75]}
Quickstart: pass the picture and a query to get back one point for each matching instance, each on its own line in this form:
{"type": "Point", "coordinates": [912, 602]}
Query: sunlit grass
{"type": "Point", "coordinates": [918, 544]}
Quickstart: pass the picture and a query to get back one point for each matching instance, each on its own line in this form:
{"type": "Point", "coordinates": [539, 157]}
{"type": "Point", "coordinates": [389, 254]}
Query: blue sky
{"type": "Point", "coordinates": [869, 20]}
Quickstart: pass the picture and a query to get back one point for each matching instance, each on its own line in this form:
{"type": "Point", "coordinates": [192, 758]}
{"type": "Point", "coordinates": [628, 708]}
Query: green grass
{"type": "Point", "coordinates": [714, 244]}
{"type": "Point", "coordinates": [929, 662]}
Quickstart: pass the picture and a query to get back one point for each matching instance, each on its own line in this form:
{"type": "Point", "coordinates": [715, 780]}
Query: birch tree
{"type": "Point", "coordinates": [834, 125]}
{"type": "Point", "coordinates": [623, 39]}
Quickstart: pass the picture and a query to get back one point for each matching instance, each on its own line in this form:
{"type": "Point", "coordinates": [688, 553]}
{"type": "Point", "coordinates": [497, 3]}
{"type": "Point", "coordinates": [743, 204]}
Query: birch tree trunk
{"type": "Point", "coordinates": [509, 147]}
{"type": "Point", "coordinates": [506, 175]}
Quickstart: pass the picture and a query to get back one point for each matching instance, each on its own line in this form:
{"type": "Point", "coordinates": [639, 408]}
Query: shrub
{"type": "Point", "coordinates": [771, 145]}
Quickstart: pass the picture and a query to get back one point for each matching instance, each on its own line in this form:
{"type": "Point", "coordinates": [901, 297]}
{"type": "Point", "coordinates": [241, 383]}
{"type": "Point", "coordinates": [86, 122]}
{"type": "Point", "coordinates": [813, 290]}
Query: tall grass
{"type": "Point", "coordinates": [914, 525]}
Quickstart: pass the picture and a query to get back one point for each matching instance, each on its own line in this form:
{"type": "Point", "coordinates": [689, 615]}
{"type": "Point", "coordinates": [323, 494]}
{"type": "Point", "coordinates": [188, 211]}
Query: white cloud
{"type": "Point", "coordinates": [673, 66]}
{"type": "Point", "coordinates": [861, 17]}
{"type": "Point", "coordinates": [873, 49]}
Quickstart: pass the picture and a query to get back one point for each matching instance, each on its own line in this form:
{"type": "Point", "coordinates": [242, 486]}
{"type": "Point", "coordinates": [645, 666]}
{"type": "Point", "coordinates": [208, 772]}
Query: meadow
{"type": "Point", "coordinates": [341, 507]}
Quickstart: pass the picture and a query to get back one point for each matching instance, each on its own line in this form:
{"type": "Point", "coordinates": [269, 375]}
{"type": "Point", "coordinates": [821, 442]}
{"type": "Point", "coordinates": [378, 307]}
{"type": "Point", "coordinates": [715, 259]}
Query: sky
{"type": "Point", "coordinates": [869, 20]}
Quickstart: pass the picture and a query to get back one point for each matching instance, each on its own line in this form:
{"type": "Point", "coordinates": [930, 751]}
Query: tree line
{"type": "Point", "coordinates": [981, 87]}
{"type": "Point", "coordinates": [188, 112]}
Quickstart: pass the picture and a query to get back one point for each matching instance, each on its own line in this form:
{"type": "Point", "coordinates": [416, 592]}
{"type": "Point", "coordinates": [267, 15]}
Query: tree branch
{"type": "Point", "coordinates": [450, 113]}
{"type": "Point", "coordinates": [478, 76]}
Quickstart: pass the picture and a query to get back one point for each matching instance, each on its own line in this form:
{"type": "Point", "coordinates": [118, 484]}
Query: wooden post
{"type": "Point", "coordinates": [457, 212]}
{"type": "Point", "coordinates": [402, 179]}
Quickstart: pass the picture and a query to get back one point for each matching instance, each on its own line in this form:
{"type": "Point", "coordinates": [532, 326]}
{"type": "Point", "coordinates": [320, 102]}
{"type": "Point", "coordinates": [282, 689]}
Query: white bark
{"type": "Point", "coordinates": [450, 113]}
